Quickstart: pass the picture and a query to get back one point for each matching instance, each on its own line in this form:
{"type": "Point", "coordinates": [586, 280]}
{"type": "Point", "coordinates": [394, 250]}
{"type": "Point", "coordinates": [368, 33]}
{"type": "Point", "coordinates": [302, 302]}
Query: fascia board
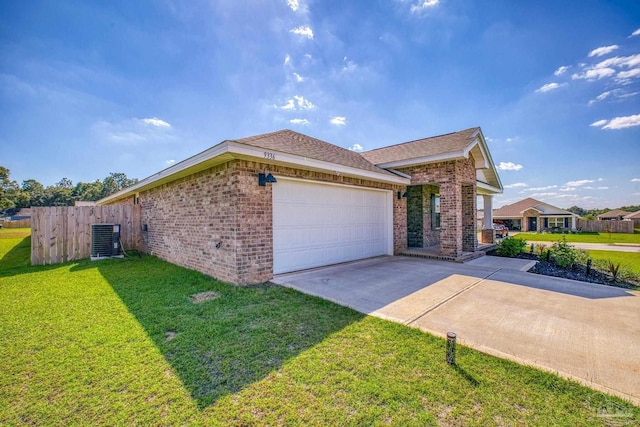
{"type": "Point", "coordinates": [489, 188]}
{"type": "Point", "coordinates": [422, 160]}
{"type": "Point", "coordinates": [279, 157]}
{"type": "Point", "coordinates": [188, 166]}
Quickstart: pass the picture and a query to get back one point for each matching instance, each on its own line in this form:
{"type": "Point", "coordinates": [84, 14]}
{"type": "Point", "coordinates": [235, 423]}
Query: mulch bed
{"type": "Point", "coordinates": [577, 272]}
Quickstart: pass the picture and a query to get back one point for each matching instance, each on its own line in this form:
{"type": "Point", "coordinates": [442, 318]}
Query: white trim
{"type": "Point", "coordinates": [488, 187]}
{"type": "Point", "coordinates": [207, 158]}
{"type": "Point", "coordinates": [397, 172]}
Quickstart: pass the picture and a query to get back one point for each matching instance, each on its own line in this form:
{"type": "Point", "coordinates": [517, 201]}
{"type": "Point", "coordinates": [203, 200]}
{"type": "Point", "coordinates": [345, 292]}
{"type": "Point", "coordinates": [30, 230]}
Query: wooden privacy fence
{"type": "Point", "coordinates": [60, 234]}
{"type": "Point", "coordinates": [599, 226]}
{"type": "Point", "coordinates": [21, 223]}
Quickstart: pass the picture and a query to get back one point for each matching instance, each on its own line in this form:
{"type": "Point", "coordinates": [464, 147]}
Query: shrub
{"type": "Point", "coordinates": [511, 247]}
{"type": "Point", "coordinates": [563, 253]}
{"type": "Point", "coordinates": [613, 269]}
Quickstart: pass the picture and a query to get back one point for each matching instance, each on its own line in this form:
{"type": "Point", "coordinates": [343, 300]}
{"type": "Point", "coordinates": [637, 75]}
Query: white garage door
{"type": "Point", "coordinates": [321, 224]}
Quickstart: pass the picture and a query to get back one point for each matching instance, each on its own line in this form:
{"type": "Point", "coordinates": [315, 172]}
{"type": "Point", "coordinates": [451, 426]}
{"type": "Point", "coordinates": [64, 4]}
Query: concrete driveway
{"type": "Point", "coordinates": [587, 332]}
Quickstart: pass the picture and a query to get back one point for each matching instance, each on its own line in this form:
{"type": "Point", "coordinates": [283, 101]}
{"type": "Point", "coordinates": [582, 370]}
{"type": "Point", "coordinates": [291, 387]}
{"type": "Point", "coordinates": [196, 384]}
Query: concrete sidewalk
{"type": "Point", "coordinates": [587, 332]}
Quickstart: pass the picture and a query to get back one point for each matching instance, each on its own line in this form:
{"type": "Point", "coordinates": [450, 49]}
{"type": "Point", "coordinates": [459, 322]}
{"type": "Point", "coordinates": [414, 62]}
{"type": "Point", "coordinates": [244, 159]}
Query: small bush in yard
{"type": "Point", "coordinates": [563, 253]}
{"type": "Point", "coordinates": [511, 247]}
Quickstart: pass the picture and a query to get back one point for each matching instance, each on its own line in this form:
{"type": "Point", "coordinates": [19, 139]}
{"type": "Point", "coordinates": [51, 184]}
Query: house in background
{"type": "Point", "coordinates": [247, 209]}
{"type": "Point", "coordinates": [613, 215]}
{"type": "Point", "coordinates": [533, 215]}
{"type": "Point", "coordinates": [635, 217]}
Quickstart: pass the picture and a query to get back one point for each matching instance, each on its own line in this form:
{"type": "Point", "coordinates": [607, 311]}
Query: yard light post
{"type": "Point", "coordinates": [451, 348]}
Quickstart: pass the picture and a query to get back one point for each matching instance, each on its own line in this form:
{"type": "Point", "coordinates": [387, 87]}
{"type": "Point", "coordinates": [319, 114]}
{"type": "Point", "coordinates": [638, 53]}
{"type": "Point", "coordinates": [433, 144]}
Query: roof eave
{"type": "Point", "coordinates": [229, 150]}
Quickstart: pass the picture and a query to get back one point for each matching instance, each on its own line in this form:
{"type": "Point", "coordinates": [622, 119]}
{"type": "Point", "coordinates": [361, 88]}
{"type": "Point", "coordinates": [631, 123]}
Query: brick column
{"type": "Point", "coordinates": [451, 219]}
{"type": "Point", "coordinates": [469, 212]}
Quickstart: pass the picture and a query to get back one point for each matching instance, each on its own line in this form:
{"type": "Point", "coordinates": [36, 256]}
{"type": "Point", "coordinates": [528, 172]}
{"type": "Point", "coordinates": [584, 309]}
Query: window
{"type": "Point", "coordinates": [435, 212]}
{"type": "Point", "coordinates": [556, 223]}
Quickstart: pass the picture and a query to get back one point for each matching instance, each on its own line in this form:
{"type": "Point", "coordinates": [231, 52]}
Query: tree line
{"type": "Point", "coordinates": [14, 196]}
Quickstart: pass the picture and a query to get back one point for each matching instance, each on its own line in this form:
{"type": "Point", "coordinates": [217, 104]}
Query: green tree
{"type": "Point", "coordinates": [9, 190]}
{"type": "Point", "coordinates": [116, 182]}
{"type": "Point", "coordinates": [60, 193]}
{"type": "Point", "coordinates": [32, 194]}
{"type": "Point", "coordinates": [90, 191]}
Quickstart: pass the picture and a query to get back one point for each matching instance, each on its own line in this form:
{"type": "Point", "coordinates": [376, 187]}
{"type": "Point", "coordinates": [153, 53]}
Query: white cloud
{"type": "Point", "coordinates": [356, 147]}
{"type": "Point", "coordinates": [548, 187]}
{"type": "Point", "coordinates": [303, 30]}
{"type": "Point", "coordinates": [290, 104]}
{"type": "Point", "coordinates": [615, 94]}
{"type": "Point", "coordinates": [594, 74]}
{"type": "Point", "coordinates": [298, 77]}
{"type": "Point", "coordinates": [297, 103]}
{"type": "Point", "coordinates": [303, 104]}
{"type": "Point", "coordinates": [561, 70]}
{"type": "Point", "coordinates": [509, 166]}
{"type": "Point", "coordinates": [293, 4]}
{"type": "Point", "coordinates": [635, 179]}
{"type": "Point", "coordinates": [516, 185]}
{"type": "Point", "coordinates": [627, 75]}
{"type": "Point", "coordinates": [635, 33]}
{"type": "Point", "coordinates": [581, 182]}
{"type": "Point", "coordinates": [338, 121]}
{"type": "Point", "coordinates": [154, 121]}
{"type": "Point", "coordinates": [169, 162]}
{"type": "Point", "coordinates": [600, 51]}
{"type": "Point", "coordinates": [133, 130]}
{"type": "Point", "coordinates": [287, 59]}
{"type": "Point", "coordinates": [618, 122]}
{"type": "Point", "coordinates": [299, 121]}
{"type": "Point", "coordinates": [550, 86]}
{"type": "Point", "coordinates": [423, 5]}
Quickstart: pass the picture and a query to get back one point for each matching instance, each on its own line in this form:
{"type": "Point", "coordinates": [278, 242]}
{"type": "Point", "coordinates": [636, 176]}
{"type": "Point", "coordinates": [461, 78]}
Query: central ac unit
{"type": "Point", "coordinates": [105, 241]}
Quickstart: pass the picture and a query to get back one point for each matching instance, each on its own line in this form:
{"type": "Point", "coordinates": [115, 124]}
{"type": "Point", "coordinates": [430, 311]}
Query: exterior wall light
{"type": "Point", "coordinates": [401, 195]}
{"type": "Point", "coordinates": [265, 177]}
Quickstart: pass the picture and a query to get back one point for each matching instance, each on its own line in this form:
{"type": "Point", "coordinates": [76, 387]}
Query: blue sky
{"type": "Point", "coordinates": [89, 88]}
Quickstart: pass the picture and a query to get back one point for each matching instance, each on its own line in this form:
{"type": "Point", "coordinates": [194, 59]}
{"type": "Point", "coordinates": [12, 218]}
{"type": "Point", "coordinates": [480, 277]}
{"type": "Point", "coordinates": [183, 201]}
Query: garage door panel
{"type": "Point", "coordinates": [319, 224]}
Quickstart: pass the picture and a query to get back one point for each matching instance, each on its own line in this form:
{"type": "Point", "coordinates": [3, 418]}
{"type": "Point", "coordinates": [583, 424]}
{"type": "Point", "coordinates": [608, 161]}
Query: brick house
{"type": "Point", "coordinates": [534, 216]}
{"type": "Point", "coordinates": [216, 213]}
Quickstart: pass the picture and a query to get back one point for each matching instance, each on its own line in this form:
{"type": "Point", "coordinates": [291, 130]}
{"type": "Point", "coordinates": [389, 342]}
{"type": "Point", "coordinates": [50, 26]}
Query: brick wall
{"type": "Point", "coordinates": [449, 177]}
{"type": "Point", "coordinates": [220, 222]}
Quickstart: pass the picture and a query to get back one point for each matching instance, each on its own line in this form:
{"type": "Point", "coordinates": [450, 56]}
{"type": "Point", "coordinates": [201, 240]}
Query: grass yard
{"type": "Point", "coordinates": [584, 237]}
{"type": "Point", "coordinates": [120, 342]}
{"type": "Point", "coordinates": [628, 260]}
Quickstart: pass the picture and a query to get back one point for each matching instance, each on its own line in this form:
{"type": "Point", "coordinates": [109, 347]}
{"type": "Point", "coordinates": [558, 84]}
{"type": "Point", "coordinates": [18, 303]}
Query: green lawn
{"type": "Point", "coordinates": [583, 237]}
{"type": "Point", "coordinates": [119, 342]}
{"type": "Point", "coordinates": [628, 260]}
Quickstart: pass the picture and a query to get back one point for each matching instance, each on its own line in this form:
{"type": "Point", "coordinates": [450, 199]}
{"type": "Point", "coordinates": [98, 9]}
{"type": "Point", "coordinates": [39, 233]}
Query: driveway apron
{"type": "Point", "coordinates": [583, 331]}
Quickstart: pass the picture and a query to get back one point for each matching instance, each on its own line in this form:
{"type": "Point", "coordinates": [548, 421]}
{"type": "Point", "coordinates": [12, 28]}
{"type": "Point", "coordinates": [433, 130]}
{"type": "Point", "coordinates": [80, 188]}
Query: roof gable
{"type": "Point", "coordinates": [432, 147]}
{"type": "Point", "coordinates": [616, 213]}
{"type": "Point", "coordinates": [288, 141]}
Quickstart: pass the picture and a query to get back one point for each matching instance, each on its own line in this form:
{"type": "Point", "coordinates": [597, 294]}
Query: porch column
{"type": "Point", "coordinates": [488, 235]}
{"type": "Point", "coordinates": [573, 223]}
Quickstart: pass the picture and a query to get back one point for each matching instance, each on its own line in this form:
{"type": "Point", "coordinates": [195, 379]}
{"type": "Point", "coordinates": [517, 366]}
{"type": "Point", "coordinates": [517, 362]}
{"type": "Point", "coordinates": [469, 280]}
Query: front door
{"type": "Point", "coordinates": [533, 223]}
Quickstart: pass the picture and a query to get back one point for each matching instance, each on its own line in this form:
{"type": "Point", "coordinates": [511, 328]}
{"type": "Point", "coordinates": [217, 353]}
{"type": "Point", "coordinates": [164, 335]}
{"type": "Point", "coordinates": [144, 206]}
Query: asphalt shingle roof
{"type": "Point", "coordinates": [614, 214]}
{"type": "Point", "coordinates": [427, 147]}
{"type": "Point", "coordinates": [290, 142]}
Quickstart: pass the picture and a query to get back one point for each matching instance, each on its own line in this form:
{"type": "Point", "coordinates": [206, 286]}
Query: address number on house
{"type": "Point", "coordinates": [270, 156]}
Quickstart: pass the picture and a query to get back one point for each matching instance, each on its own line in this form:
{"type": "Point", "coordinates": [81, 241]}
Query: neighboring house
{"type": "Point", "coordinates": [533, 215]}
{"type": "Point", "coordinates": [614, 215]}
{"type": "Point", "coordinates": [247, 209]}
{"type": "Point", "coordinates": [84, 203]}
{"type": "Point", "coordinates": [635, 217]}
